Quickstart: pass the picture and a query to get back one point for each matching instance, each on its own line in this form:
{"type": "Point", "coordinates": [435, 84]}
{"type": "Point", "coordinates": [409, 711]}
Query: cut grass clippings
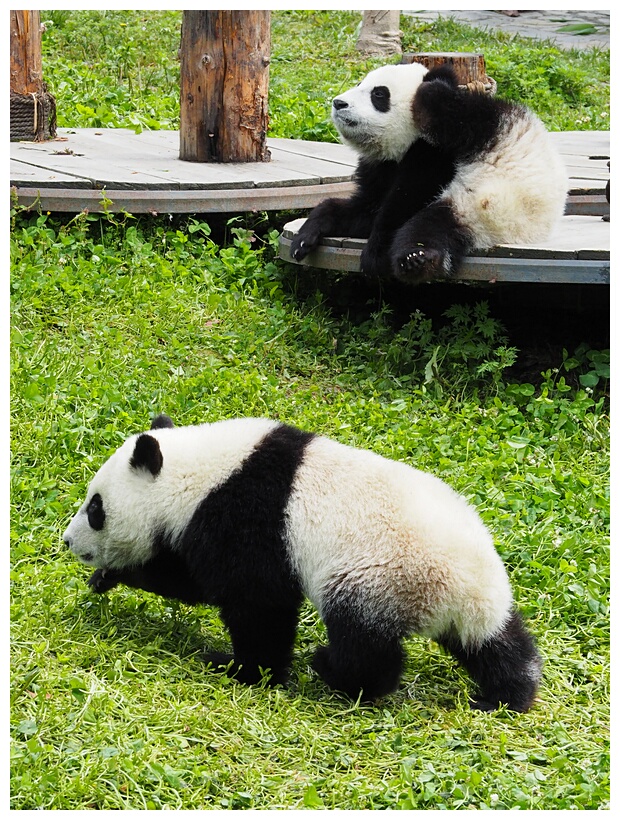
{"type": "Point", "coordinates": [116, 319]}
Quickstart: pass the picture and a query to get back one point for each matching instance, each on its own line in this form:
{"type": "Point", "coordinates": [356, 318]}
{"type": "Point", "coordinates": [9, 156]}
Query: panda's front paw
{"type": "Point", "coordinates": [102, 580]}
{"type": "Point", "coordinates": [423, 264]}
{"type": "Point", "coordinates": [303, 244]}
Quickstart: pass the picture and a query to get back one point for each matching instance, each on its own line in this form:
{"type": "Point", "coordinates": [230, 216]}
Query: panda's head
{"type": "Point", "coordinates": [375, 117]}
{"type": "Point", "coordinates": [115, 526]}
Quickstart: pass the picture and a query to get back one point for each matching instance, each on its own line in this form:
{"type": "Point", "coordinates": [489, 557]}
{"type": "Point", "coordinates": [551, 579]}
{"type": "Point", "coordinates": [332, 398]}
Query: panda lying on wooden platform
{"type": "Point", "coordinates": [442, 171]}
{"type": "Point", "coordinates": [250, 515]}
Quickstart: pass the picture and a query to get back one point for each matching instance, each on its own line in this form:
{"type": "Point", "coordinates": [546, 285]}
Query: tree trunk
{"type": "Point", "coordinates": [33, 110]}
{"type": "Point", "coordinates": [380, 33]}
{"type": "Point", "coordinates": [224, 86]}
{"type": "Point", "coordinates": [26, 69]}
{"type": "Point", "coordinates": [470, 69]}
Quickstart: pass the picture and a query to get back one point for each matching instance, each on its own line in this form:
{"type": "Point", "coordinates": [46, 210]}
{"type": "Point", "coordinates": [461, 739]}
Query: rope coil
{"type": "Point", "coordinates": [33, 116]}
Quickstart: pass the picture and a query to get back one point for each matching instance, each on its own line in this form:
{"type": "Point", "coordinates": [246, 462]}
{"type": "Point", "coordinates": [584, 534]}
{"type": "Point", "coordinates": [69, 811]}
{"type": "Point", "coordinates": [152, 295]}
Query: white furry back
{"type": "Point", "coordinates": [516, 192]}
{"type": "Point", "coordinates": [414, 546]}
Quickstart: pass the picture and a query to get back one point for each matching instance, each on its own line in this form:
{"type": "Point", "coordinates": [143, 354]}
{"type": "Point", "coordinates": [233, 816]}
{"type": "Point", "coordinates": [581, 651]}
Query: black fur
{"type": "Point", "coordinates": [166, 574]}
{"type": "Point", "coordinates": [380, 97]}
{"type": "Point", "coordinates": [408, 236]}
{"type": "Point", "coordinates": [365, 654]}
{"type": "Point", "coordinates": [507, 668]}
{"type": "Point", "coordinates": [95, 512]}
{"type": "Point", "coordinates": [232, 555]}
{"type": "Point", "coordinates": [147, 455]}
{"type": "Point", "coordinates": [161, 421]}
{"type": "Point", "coordinates": [384, 200]}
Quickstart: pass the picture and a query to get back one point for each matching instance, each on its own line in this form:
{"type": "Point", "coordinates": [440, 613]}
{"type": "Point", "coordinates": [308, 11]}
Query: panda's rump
{"type": "Point", "coordinates": [515, 191]}
{"type": "Point", "coordinates": [394, 545]}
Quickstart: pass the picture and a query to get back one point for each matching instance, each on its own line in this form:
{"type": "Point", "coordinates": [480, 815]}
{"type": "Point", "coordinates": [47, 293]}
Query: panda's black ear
{"type": "Point", "coordinates": [445, 73]}
{"type": "Point", "coordinates": [161, 421]}
{"type": "Point", "coordinates": [147, 455]}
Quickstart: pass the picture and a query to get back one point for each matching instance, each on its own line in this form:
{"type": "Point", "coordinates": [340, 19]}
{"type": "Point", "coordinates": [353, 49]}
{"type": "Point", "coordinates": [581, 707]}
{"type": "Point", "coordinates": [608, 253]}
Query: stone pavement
{"type": "Point", "coordinates": [542, 25]}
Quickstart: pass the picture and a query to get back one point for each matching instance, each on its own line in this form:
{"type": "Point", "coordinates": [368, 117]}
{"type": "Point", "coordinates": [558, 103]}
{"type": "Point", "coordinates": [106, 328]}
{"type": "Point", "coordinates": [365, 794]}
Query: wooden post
{"type": "Point", "coordinates": [224, 86]}
{"type": "Point", "coordinates": [470, 69]}
{"type": "Point", "coordinates": [33, 110]}
{"type": "Point", "coordinates": [380, 33]}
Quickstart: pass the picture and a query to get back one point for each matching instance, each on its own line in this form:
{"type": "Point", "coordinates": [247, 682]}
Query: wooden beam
{"type": "Point", "coordinates": [26, 66]}
{"type": "Point", "coordinates": [224, 86]}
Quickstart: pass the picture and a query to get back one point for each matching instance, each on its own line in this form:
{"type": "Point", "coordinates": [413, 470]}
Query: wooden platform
{"type": "Point", "coordinates": [142, 173]}
{"type": "Point", "coordinates": [577, 252]}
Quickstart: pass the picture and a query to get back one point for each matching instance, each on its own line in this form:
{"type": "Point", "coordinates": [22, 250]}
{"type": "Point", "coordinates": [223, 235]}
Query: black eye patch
{"type": "Point", "coordinates": [95, 512]}
{"type": "Point", "coordinates": [380, 98]}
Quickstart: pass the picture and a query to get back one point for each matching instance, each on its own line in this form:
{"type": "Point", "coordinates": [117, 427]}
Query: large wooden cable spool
{"type": "Point", "coordinates": [469, 68]}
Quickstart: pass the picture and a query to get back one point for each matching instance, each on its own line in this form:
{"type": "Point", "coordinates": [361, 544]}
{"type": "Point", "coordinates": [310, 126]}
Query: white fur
{"type": "Point", "coordinates": [381, 135]}
{"type": "Point", "coordinates": [514, 193]}
{"type": "Point", "coordinates": [196, 460]}
{"type": "Point", "coordinates": [406, 535]}
{"type": "Point", "coordinates": [416, 549]}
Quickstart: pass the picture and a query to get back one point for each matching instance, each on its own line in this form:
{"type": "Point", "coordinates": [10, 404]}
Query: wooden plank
{"type": "Point", "coordinates": [109, 157]}
{"type": "Point", "coordinates": [476, 268]}
{"type": "Point", "coordinates": [327, 151]}
{"type": "Point", "coordinates": [122, 161]}
{"type": "Point", "coordinates": [584, 143]}
{"type": "Point", "coordinates": [186, 201]}
{"type": "Point", "coordinates": [26, 175]}
{"type": "Point", "coordinates": [578, 251]}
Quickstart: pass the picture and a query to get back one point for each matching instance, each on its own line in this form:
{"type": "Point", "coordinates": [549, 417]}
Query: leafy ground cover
{"type": "Point", "coordinates": [115, 319]}
{"type": "Point", "coordinates": [121, 69]}
{"type": "Point", "coordinates": [111, 705]}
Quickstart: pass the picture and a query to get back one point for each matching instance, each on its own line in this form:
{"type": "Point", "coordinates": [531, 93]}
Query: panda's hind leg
{"type": "Point", "coordinates": [507, 667]}
{"type": "Point", "coordinates": [361, 657]}
{"type": "Point", "coordinates": [430, 245]}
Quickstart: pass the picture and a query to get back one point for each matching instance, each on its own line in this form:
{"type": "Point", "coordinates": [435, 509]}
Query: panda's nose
{"type": "Point", "coordinates": [340, 104]}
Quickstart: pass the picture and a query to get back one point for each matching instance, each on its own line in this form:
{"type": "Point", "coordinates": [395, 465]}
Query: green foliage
{"type": "Point", "coordinates": [120, 69]}
{"type": "Point", "coordinates": [115, 319]}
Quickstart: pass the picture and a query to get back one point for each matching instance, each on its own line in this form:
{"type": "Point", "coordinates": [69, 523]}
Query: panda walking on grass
{"type": "Point", "coordinates": [251, 515]}
{"type": "Point", "coordinates": [442, 171]}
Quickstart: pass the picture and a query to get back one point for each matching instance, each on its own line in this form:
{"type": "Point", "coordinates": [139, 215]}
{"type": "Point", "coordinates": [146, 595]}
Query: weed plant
{"type": "Point", "coordinates": [115, 319]}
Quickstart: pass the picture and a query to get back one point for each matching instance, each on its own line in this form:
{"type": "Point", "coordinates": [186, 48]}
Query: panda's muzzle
{"type": "Point", "coordinates": [87, 557]}
{"type": "Point", "coordinates": [340, 114]}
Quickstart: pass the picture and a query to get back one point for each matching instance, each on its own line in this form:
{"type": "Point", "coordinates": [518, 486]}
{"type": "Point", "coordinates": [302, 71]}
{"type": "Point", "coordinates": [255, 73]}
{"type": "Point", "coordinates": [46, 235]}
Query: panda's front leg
{"type": "Point", "coordinates": [103, 580]}
{"type": "Point", "coordinates": [262, 639]}
{"type": "Point", "coordinates": [431, 245]}
{"type": "Point", "coordinates": [375, 258]}
{"type": "Point", "coordinates": [332, 217]}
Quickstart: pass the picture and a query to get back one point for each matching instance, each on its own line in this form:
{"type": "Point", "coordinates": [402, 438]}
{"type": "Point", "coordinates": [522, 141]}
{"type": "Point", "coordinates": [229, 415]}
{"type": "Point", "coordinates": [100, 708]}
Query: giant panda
{"type": "Point", "coordinates": [251, 515]}
{"type": "Point", "coordinates": [441, 171]}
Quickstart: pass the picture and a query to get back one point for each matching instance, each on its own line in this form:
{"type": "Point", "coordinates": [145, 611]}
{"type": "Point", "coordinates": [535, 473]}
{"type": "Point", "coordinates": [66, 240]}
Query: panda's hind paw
{"type": "Point", "coordinates": [419, 265]}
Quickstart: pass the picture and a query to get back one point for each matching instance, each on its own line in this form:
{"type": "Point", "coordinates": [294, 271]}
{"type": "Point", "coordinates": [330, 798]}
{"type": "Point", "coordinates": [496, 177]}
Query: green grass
{"type": "Point", "coordinates": [111, 704]}
{"type": "Point", "coordinates": [117, 319]}
{"type": "Point", "coordinates": [120, 69]}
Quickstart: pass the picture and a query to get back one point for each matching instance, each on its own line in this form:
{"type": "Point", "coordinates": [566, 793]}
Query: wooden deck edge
{"type": "Point", "coordinates": [74, 200]}
{"type": "Point", "coordinates": [489, 270]}
{"type": "Point", "coordinates": [178, 201]}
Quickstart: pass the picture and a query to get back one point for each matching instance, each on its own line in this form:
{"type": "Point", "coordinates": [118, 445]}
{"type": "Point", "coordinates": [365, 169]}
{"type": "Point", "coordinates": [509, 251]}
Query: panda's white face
{"type": "Point", "coordinates": [152, 485]}
{"type": "Point", "coordinates": [375, 117]}
{"type": "Point", "coordinates": [113, 527]}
